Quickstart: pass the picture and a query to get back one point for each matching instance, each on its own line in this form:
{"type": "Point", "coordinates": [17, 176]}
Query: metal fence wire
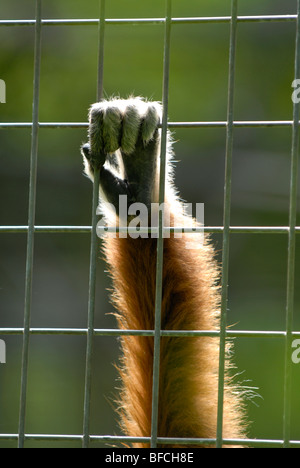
{"type": "Point", "coordinates": [227, 230]}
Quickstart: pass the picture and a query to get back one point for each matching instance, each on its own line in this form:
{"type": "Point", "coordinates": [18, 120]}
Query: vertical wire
{"type": "Point", "coordinates": [91, 314]}
{"type": "Point", "coordinates": [291, 252]}
{"type": "Point", "coordinates": [93, 252]}
{"type": "Point", "coordinates": [160, 241]}
{"type": "Point", "coordinates": [31, 221]}
{"type": "Point", "coordinates": [101, 51]}
{"type": "Point", "coordinates": [226, 221]}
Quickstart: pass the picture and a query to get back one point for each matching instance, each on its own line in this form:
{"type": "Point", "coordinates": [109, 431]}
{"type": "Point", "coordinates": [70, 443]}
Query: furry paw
{"type": "Point", "coordinates": [120, 124]}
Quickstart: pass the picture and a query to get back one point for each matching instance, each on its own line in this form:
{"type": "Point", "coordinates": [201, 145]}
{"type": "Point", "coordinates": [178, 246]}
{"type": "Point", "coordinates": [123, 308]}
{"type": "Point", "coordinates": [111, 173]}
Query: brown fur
{"type": "Point", "coordinates": [188, 365]}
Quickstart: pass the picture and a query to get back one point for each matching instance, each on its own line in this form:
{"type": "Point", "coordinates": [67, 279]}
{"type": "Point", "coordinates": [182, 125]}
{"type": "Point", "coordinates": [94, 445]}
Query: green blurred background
{"type": "Point", "coordinates": [198, 91]}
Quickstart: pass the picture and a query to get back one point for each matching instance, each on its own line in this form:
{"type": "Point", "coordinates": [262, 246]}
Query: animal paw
{"type": "Point", "coordinates": [120, 124]}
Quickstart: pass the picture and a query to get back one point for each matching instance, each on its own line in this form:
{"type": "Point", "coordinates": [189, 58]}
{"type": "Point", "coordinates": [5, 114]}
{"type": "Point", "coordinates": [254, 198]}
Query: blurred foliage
{"type": "Point", "coordinates": [198, 91]}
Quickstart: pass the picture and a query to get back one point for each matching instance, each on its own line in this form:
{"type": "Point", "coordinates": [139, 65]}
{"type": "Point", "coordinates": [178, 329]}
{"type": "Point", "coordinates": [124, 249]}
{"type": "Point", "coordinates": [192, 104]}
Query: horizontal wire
{"type": "Point", "coordinates": [212, 124]}
{"type": "Point", "coordinates": [165, 333]}
{"type": "Point", "coordinates": [120, 21]}
{"type": "Point", "coordinates": [160, 440]}
{"type": "Point", "coordinates": [178, 229]}
{"type": "Point", "coordinates": [47, 229]}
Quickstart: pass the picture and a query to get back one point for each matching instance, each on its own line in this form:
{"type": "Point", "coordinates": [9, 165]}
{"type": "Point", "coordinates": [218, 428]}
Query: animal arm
{"type": "Point", "coordinates": [124, 141]}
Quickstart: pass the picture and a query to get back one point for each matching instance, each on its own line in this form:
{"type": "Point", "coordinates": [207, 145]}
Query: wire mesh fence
{"type": "Point", "coordinates": [227, 231]}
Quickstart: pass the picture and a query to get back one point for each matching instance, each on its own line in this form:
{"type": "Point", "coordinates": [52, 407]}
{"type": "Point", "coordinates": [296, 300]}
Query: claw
{"type": "Point", "coordinates": [86, 150]}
